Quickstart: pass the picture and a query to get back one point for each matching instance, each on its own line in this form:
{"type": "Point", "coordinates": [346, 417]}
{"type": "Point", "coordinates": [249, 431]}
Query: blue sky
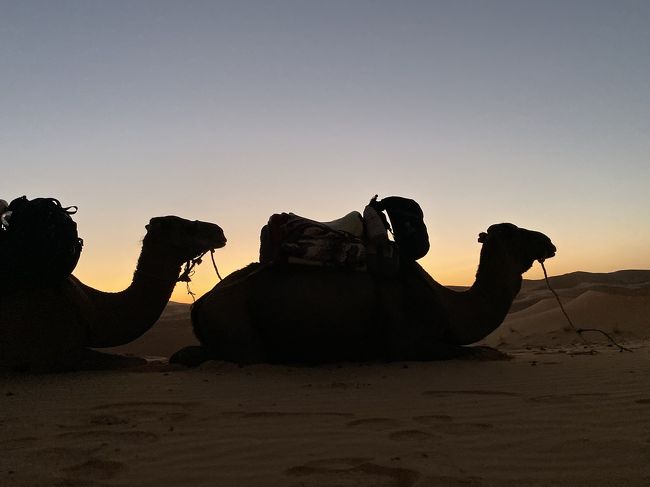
{"type": "Point", "coordinates": [484, 111]}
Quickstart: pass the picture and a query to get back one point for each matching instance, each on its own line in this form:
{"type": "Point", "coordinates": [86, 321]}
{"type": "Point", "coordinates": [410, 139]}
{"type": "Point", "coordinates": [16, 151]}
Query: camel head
{"type": "Point", "coordinates": [184, 239]}
{"type": "Point", "coordinates": [521, 245]}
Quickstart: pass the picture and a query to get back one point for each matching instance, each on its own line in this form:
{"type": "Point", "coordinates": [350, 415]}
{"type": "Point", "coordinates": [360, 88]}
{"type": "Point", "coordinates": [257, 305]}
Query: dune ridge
{"type": "Point", "coordinates": [617, 303]}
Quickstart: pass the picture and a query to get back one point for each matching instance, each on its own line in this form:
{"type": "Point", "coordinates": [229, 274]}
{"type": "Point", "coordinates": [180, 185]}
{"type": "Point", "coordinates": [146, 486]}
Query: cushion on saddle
{"type": "Point", "coordinates": [352, 224]}
{"type": "Point", "coordinates": [352, 242]}
{"type": "Point", "coordinates": [289, 238]}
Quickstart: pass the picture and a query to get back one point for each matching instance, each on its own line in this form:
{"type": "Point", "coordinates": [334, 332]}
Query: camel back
{"type": "Point", "coordinates": [39, 244]}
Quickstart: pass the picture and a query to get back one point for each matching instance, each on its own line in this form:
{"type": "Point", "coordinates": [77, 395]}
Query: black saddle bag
{"type": "Point", "coordinates": [408, 227]}
{"type": "Point", "coordinates": [39, 243]}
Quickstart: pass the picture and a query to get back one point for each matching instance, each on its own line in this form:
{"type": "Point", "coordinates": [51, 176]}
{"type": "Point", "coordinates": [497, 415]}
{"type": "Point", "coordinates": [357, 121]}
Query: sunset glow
{"type": "Point", "coordinates": [536, 113]}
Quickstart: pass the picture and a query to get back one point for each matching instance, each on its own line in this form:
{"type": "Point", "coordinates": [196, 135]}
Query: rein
{"type": "Point", "coordinates": [188, 271]}
{"type": "Point", "coordinates": [579, 331]}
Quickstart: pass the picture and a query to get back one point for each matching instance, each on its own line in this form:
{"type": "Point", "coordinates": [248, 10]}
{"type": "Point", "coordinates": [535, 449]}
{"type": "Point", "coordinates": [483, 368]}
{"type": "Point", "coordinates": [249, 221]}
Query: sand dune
{"type": "Point", "coordinates": [543, 324]}
{"type": "Point", "coordinates": [617, 303]}
{"type": "Point", "coordinates": [626, 278]}
{"type": "Point", "coordinates": [172, 331]}
{"type": "Point", "coordinates": [552, 416]}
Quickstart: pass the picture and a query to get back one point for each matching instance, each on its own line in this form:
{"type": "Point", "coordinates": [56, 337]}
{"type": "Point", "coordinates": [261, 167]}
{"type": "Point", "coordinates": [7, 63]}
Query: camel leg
{"type": "Point", "coordinates": [191, 356]}
{"type": "Point", "coordinates": [225, 330]}
{"type": "Point", "coordinates": [236, 341]}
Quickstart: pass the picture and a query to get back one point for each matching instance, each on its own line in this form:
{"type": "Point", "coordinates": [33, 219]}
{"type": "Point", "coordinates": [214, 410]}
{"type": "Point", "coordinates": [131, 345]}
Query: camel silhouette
{"type": "Point", "coordinates": [52, 328]}
{"type": "Point", "coordinates": [306, 314]}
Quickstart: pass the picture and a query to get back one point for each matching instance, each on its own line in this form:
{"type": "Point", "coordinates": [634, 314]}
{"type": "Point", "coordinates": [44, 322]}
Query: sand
{"type": "Point", "coordinates": [553, 415]}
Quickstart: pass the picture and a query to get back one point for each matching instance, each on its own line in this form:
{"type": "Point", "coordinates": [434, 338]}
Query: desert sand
{"type": "Point", "coordinates": [561, 412]}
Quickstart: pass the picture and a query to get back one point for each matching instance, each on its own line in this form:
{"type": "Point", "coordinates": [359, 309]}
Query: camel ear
{"type": "Point", "coordinates": [153, 223]}
{"type": "Point", "coordinates": [482, 237]}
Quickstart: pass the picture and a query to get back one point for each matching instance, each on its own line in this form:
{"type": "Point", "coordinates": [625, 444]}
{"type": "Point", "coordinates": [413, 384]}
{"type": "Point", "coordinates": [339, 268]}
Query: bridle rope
{"type": "Point", "coordinates": [214, 264]}
{"type": "Point", "coordinates": [579, 331]}
{"type": "Point", "coordinates": [188, 271]}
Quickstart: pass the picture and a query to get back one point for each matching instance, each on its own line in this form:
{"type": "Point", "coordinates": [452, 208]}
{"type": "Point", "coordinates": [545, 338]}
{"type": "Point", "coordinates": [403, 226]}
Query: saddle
{"type": "Point", "coordinates": [293, 239]}
{"type": "Point", "coordinates": [353, 242]}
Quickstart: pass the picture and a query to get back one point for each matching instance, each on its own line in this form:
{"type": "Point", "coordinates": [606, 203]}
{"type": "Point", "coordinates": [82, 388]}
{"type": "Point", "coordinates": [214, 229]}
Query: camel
{"type": "Point", "coordinates": [54, 327]}
{"type": "Point", "coordinates": [305, 314]}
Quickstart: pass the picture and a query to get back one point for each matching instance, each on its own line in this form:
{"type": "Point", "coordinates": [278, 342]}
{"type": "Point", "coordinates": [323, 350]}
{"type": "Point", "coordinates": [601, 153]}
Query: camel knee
{"type": "Point", "coordinates": [233, 339]}
{"type": "Point", "coordinates": [233, 342]}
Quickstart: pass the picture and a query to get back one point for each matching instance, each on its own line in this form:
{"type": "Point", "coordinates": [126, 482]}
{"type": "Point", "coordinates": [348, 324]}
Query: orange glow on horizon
{"type": "Point", "coordinates": [451, 269]}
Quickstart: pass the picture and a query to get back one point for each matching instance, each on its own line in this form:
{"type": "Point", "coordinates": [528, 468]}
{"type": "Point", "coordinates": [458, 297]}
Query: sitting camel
{"type": "Point", "coordinates": [51, 328]}
{"type": "Point", "coordinates": [306, 314]}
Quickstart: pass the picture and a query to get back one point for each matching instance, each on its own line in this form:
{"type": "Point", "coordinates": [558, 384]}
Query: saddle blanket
{"type": "Point", "coordinates": [294, 239]}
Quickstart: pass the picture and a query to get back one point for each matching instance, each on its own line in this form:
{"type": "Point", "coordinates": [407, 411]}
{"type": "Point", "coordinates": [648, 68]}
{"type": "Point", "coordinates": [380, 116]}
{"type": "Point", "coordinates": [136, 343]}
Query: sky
{"type": "Point", "coordinates": [535, 113]}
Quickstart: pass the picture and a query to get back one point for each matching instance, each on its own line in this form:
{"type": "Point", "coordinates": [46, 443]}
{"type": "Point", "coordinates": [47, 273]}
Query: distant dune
{"type": "Point", "coordinates": [172, 332]}
{"type": "Point", "coordinates": [617, 302]}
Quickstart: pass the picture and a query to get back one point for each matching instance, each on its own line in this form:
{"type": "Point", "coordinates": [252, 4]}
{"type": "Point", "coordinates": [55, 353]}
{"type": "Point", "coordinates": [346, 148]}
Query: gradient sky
{"type": "Point", "coordinates": [536, 113]}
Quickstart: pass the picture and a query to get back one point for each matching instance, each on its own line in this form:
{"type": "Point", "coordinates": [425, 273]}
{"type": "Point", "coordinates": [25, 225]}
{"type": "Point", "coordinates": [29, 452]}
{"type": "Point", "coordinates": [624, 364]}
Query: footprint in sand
{"type": "Point", "coordinates": [378, 424]}
{"type": "Point", "coordinates": [108, 420]}
{"type": "Point", "coordinates": [282, 414]}
{"type": "Point", "coordinates": [144, 404]}
{"type": "Point", "coordinates": [338, 385]}
{"type": "Point", "coordinates": [124, 423]}
{"type": "Point", "coordinates": [438, 425]}
{"type": "Point", "coordinates": [121, 413]}
{"type": "Point", "coordinates": [410, 435]}
{"type": "Point", "coordinates": [58, 457]}
{"type": "Point", "coordinates": [433, 419]}
{"type": "Point", "coordinates": [75, 461]}
{"type": "Point", "coordinates": [450, 481]}
{"type": "Point", "coordinates": [566, 398]}
{"type": "Point", "coordinates": [95, 468]}
{"type": "Point", "coordinates": [17, 443]}
{"type": "Point", "coordinates": [351, 471]}
{"type": "Point", "coordinates": [479, 392]}
{"type": "Point", "coordinates": [105, 436]}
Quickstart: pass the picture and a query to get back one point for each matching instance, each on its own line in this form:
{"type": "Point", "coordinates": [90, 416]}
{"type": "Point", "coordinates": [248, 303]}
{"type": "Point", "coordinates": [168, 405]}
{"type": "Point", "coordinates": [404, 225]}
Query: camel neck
{"type": "Point", "coordinates": [477, 312]}
{"type": "Point", "coordinates": [497, 287]}
{"type": "Point", "coordinates": [153, 282]}
{"type": "Point", "coordinates": [155, 265]}
{"type": "Point", "coordinates": [126, 315]}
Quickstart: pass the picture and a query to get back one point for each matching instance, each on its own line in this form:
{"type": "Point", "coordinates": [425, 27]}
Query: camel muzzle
{"type": "Point", "coordinates": [550, 252]}
{"type": "Point", "coordinates": [216, 238]}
